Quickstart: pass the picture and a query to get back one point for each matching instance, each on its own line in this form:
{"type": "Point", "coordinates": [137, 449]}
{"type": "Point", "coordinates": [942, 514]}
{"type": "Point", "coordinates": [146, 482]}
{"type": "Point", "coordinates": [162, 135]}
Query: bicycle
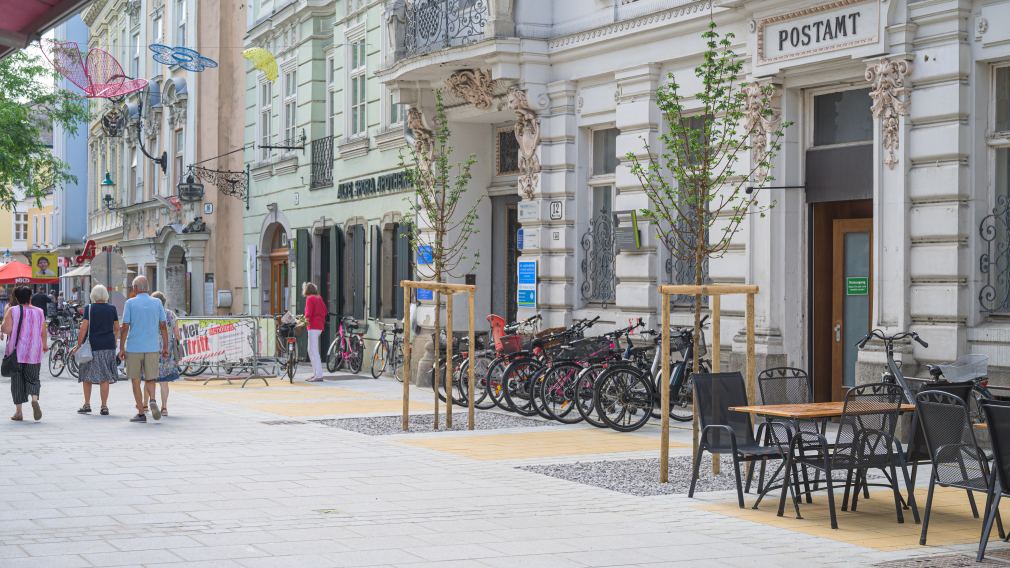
{"type": "Point", "coordinates": [347, 350]}
{"type": "Point", "coordinates": [388, 352]}
{"type": "Point", "coordinates": [288, 348]}
{"type": "Point", "coordinates": [627, 393]}
{"type": "Point", "coordinates": [59, 353]}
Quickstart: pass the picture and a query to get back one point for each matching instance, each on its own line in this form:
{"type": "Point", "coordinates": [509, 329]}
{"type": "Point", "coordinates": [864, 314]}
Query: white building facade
{"type": "Point", "coordinates": [881, 210]}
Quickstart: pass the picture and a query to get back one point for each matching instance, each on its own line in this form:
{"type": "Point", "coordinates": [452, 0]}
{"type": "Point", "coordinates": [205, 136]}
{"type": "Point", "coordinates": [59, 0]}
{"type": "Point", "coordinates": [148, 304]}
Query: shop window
{"type": "Point", "coordinates": [843, 117]}
{"type": "Point", "coordinates": [994, 232]}
{"type": "Point", "coordinates": [598, 266]}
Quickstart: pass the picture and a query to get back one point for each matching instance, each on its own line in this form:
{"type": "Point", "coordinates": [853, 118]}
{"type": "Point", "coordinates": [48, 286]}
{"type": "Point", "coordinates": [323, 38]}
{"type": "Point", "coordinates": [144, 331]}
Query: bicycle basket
{"type": "Point", "coordinates": [582, 349]}
{"type": "Point", "coordinates": [511, 344]}
{"type": "Point", "coordinates": [966, 368]}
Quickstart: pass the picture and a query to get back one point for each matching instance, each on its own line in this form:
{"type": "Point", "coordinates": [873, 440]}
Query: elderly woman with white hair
{"type": "Point", "coordinates": [100, 329]}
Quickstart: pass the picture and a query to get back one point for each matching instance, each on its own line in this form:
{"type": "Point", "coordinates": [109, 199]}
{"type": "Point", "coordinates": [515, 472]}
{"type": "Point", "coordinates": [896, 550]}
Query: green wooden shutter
{"type": "Point", "coordinates": [303, 273]}
{"type": "Point", "coordinates": [401, 267]}
{"type": "Point", "coordinates": [375, 290]}
{"type": "Point", "coordinates": [334, 266]}
{"type": "Point", "coordinates": [358, 272]}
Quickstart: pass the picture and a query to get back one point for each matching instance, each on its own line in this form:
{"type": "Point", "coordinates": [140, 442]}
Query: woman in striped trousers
{"type": "Point", "coordinates": [25, 327]}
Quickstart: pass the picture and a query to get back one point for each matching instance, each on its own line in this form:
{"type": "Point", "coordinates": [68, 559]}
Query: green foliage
{"type": "Point", "coordinates": [30, 106]}
{"type": "Point", "coordinates": [698, 193]}
{"type": "Point", "coordinates": [439, 219]}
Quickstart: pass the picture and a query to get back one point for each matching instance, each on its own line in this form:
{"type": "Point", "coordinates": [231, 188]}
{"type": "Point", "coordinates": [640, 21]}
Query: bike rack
{"type": "Point", "coordinates": [716, 291]}
{"type": "Point", "coordinates": [450, 290]}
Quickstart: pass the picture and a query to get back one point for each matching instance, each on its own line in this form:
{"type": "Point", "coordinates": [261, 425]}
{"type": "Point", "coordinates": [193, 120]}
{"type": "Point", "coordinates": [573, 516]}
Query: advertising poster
{"type": "Point", "coordinates": [526, 289]}
{"type": "Point", "coordinates": [44, 265]}
{"type": "Point", "coordinates": [213, 340]}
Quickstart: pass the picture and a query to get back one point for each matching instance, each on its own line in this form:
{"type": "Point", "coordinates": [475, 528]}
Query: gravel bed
{"type": "Point", "coordinates": [945, 561]}
{"type": "Point", "coordinates": [640, 476]}
{"type": "Point", "coordinates": [422, 423]}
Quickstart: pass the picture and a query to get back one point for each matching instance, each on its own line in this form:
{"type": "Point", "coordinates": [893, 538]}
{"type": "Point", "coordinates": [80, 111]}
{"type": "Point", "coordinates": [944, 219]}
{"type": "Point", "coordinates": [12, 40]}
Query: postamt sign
{"type": "Point", "coordinates": [823, 28]}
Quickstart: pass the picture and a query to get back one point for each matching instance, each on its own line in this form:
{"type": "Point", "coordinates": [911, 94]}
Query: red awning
{"type": "Point", "coordinates": [20, 273]}
{"type": "Point", "coordinates": [25, 21]}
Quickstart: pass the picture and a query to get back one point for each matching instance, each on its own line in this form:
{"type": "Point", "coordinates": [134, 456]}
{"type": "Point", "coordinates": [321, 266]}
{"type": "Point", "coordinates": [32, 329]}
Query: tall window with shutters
{"type": "Point", "coordinates": [354, 270]}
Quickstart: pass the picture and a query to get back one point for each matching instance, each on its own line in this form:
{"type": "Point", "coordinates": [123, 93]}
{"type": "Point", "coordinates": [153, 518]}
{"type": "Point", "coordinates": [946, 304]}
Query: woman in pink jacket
{"type": "Point", "coordinates": [315, 315]}
{"type": "Point", "coordinates": [25, 328]}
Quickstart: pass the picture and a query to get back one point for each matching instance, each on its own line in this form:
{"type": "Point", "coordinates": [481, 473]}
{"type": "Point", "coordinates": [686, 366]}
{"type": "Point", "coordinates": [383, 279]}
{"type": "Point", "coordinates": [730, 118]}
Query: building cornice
{"type": "Point", "coordinates": [645, 22]}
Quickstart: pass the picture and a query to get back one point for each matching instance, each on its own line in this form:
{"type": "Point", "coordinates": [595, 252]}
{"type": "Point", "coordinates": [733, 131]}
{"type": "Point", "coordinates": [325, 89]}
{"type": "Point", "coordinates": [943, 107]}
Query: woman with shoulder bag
{"type": "Point", "coordinates": [96, 348]}
{"type": "Point", "coordinates": [25, 325]}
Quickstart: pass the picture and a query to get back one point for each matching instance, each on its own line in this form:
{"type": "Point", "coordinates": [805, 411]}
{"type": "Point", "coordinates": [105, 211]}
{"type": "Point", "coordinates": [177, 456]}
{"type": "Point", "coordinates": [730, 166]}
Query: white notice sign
{"type": "Point", "coordinates": [829, 27]}
{"type": "Point", "coordinates": [529, 211]}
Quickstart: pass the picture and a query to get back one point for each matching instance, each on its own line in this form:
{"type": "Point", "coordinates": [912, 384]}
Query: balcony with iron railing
{"type": "Point", "coordinates": [432, 25]}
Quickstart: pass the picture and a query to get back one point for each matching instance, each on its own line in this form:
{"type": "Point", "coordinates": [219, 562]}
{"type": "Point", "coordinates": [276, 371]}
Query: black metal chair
{"type": "Point", "coordinates": [997, 416]}
{"type": "Point", "coordinates": [724, 431]}
{"type": "Point", "coordinates": [954, 452]}
{"type": "Point", "coordinates": [786, 385]}
{"type": "Point", "coordinates": [865, 441]}
{"type": "Point", "coordinates": [916, 451]}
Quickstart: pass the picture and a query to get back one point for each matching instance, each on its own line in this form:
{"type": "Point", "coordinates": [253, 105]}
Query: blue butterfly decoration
{"type": "Point", "coordinates": [188, 59]}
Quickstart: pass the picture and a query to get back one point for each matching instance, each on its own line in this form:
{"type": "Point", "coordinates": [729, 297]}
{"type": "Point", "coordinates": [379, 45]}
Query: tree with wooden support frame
{"type": "Point", "coordinates": [442, 224]}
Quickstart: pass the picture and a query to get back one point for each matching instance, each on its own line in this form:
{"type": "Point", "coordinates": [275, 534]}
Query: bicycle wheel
{"type": "Point", "coordinates": [192, 370]}
{"type": "Point", "coordinates": [557, 392]}
{"type": "Point", "coordinates": [356, 354]}
{"type": "Point", "coordinates": [623, 398]}
{"type": "Point", "coordinates": [396, 361]}
{"type": "Point", "coordinates": [380, 358]}
{"type": "Point", "coordinates": [57, 358]}
{"type": "Point", "coordinates": [495, 388]}
{"type": "Point", "coordinates": [437, 377]}
{"type": "Point", "coordinates": [538, 389]}
{"type": "Point", "coordinates": [333, 359]}
{"type": "Point", "coordinates": [73, 367]}
{"type": "Point", "coordinates": [481, 363]}
{"type": "Point", "coordinates": [681, 399]}
{"type": "Point", "coordinates": [291, 365]}
{"type": "Point", "coordinates": [584, 386]}
{"type": "Point", "coordinates": [518, 384]}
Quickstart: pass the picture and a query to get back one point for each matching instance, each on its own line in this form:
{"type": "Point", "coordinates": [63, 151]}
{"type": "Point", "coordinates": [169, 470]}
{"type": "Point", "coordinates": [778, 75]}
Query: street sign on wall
{"type": "Point", "coordinates": [526, 288]}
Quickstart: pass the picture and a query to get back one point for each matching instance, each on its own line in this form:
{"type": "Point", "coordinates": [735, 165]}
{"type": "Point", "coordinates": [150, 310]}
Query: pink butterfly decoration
{"type": "Point", "coordinates": [99, 75]}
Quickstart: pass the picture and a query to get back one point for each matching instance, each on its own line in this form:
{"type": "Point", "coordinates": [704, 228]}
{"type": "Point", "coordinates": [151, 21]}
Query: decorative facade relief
{"type": "Point", "coordinates": [472, 85]}
{"type": "Point", "coordinates": [527, 129]}
{"type": "Point", "coordinates": [424, 139]}
{"type": "Point", "coordinates": [890, 101]}
{"type": "Point", "coordinates": [761, 123]}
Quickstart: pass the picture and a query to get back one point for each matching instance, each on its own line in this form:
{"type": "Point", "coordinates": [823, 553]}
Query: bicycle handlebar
{"type": "Point", "coordinates": [890, 338]}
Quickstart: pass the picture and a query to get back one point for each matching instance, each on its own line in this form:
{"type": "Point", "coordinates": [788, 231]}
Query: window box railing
{"type": "Point", "coordinates": [432, 25]}
{"type": "Point", "coordinates": [322, 163]}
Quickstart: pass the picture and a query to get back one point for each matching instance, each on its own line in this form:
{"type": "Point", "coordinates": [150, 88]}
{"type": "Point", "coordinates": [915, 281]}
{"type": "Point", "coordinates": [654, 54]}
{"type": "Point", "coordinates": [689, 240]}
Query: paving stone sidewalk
{"type": "Point", "coordinates": [222, 484]}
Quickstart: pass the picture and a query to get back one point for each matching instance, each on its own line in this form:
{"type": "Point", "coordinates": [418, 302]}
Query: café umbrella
{"type": "Point", "coordinates": [21, 273]}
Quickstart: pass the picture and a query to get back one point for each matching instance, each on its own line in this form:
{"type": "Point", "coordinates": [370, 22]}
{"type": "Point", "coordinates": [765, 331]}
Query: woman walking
{"type": "Point", "coordinates": [168, 368]}
{"type": "Point", "coordinates": [315, 314]}
{"type": "Point", "coordinates": [100, 329]}
{"type": "Point", "coordinates": [25, 325]}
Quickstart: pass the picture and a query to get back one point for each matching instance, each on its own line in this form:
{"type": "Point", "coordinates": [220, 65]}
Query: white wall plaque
{"type": "Point", "coordinates": [827, 27]}
{"type": "Point", "coordinates": [529, 211]}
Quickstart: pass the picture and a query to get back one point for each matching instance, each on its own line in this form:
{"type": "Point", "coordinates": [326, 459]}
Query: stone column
{"type": "Point", "coordinates": [195, 254]}
{"type": "Point", "coordinates": [638, 119]}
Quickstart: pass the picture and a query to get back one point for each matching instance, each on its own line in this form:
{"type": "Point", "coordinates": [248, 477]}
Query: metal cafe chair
{"type": "Point", "coordinates": [724, 431]}
{"type": "Point", "coordinates": [997, 416]}
{"type": "Point", "coordinates": [786, 385]}
{"type": "Point", "coordinates": [954, 452]}
{"type": "Point", "coordinates": [864, 441]}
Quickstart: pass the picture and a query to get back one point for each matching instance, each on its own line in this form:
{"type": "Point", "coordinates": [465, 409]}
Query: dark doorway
{"type": "Point", "coordinates": [505, 254]}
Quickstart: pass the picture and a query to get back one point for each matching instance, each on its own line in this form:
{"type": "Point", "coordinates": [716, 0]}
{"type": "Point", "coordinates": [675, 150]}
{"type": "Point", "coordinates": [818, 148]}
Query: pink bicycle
{"type": "Point", "coordinates": [347, 349]}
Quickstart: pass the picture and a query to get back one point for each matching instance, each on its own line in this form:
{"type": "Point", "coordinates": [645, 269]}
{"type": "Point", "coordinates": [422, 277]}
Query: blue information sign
{"type": "Point", "coordinates": [424, 255]}
{"type": "Point", "coordinates": [519, 239]}
{"type": "Point", "coordinates": [526, 285]}
{"type": "Point", "coordinates": [423, 294]}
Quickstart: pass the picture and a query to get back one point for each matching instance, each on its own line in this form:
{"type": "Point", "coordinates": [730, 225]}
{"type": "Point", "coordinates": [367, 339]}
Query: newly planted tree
{"type": "Point", "coordinates": [716, 151]}
{"type": "Point", "coordinates": [444, 213]}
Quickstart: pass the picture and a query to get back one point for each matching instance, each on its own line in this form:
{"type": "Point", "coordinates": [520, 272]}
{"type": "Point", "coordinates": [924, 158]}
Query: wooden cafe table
{"type": "Point", "coordinates": [807, 410]}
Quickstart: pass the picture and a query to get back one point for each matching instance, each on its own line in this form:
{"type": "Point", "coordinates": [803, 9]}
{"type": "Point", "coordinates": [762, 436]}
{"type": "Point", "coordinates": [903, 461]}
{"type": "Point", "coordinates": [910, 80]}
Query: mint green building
{"type": "Point", "coordinates": [327, 192]}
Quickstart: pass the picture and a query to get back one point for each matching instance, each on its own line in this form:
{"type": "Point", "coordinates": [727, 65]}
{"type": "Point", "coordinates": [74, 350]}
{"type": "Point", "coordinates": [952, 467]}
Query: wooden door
{"type": "Point", "coordinates": [278, 283]}
{"type": "Point", "coordinates": [851, 299]}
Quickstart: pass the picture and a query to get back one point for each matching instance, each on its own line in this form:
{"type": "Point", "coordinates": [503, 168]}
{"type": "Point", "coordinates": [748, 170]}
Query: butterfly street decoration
{"type": "Point", "coordinates": [97, 72]}
{"type": "Point", "coordinates": [184, 57]}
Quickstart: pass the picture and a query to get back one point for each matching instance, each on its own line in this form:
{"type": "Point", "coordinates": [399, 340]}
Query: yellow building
{"type": "Point", "coordinates": [6, 230]}
{"type": "Point", "coordinates": [40, 225]}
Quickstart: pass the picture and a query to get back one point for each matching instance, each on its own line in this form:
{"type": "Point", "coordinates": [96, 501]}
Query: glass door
{"type": "Point", "coordinates": [852, 281]}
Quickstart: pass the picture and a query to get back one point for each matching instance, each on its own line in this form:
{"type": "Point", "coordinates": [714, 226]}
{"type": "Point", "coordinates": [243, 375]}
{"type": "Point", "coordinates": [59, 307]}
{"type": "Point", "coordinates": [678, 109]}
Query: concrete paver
{"type": "Point", "coordinates": [221, 483]}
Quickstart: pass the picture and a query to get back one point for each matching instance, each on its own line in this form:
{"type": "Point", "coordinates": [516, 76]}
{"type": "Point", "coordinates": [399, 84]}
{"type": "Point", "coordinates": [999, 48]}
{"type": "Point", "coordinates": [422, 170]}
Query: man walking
{"type": "Point", "coordinates": [143, 337]}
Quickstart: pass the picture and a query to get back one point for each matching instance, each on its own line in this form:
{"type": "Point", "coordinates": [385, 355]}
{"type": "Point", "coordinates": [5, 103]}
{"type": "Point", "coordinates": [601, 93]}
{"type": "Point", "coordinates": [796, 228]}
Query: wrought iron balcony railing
{"type": "Point", "coordinates": [322, 163]}
{"type": "Point", "coordinates": [431, 25]}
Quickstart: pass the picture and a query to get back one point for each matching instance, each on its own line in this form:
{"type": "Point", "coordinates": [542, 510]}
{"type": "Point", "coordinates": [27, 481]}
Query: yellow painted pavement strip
{"type": "Point", "coordinates": [874, 525]}
{"type": "Point", "coordinates": [537, 444]}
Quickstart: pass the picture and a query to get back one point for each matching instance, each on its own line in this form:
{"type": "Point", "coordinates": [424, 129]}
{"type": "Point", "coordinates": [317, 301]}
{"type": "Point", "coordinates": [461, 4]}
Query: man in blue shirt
{"type": "Point", "coordinates": [143, 337]}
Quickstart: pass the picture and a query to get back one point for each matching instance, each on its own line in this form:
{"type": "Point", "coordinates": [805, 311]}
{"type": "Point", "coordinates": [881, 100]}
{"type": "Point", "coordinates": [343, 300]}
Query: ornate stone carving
{"type": "Point", "coordinates": [890, 101]}
{"type": "Point", "coordinates": [527, 129]}
{"type": "Point", "coordinates": [133, 9]}
{"type": "Point", "coordinates": [197, 225]}
{"type": "Point", "coordinates": [177, 114]}
{"type": "Point", "coordinates": [472, 85]}
{"type": "Point", "coordinates": [396, 21]}
{"type": "Point", "coordinates": [981, 26]}
{"type": "Point", "coordinates": [424, 139]}
{"type": "Point", "coordinates": [760, 123]}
